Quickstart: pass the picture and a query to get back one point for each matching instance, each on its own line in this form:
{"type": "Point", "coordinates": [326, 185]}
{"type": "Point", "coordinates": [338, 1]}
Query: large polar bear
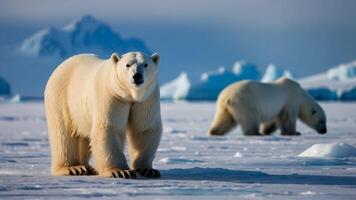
{"type": "Point", "coordinates": [93, 105]}
{"type": "Point", "coordinates": [261, 108]}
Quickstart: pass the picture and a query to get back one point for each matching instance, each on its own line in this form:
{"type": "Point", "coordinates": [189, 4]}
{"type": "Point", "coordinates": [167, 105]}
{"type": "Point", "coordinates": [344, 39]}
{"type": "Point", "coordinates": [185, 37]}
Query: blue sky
{"type": "Point", "coordinates": [303, 36]}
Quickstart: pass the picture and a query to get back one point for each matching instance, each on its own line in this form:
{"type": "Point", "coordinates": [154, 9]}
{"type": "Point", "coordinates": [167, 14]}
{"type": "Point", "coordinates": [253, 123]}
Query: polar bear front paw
{"type": "Point", "coordinates": [78, 170]}
{"type": "Point", "coordinates": [148, 173]}
{"type": "Point", "coordinates": [120, 173]}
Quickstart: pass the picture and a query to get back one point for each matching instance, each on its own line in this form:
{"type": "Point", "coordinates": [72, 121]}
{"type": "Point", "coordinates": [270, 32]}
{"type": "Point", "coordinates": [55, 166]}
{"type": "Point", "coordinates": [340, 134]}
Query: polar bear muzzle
{"type": "Point", "coordinates": [138, 79]}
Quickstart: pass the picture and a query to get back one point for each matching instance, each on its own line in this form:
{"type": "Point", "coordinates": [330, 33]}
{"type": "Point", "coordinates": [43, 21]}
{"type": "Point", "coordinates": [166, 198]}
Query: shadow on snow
{"type": "Point", "coordinates": [238, 176]}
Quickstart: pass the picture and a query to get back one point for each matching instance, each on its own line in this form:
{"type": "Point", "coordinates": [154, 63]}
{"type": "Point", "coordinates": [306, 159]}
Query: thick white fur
{"type": "Point", "coordinates": [92, 106]}
{"type": "Point", "coordinates": [279, 104]}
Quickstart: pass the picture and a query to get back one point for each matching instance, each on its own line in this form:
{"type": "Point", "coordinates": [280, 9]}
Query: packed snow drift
{"type": "Point", "coordinates": [336, 150]}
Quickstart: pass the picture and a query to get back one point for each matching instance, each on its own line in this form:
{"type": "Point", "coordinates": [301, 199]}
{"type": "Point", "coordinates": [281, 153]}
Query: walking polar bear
{"type": "Point", "coordinates": [261, 108]}
{"type": "Point", "coordinates": [93, 105]}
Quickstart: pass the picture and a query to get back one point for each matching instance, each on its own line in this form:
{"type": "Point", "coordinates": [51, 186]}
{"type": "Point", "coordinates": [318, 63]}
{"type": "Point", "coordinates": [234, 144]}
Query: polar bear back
{"type": "Point", "coordinates": [263, 99]}
{"type": "Point", "coordinates": [71, 86]}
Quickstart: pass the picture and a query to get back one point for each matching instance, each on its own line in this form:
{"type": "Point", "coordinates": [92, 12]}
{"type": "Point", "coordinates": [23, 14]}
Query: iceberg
{"type": "Point", "coordinates": [245, 70]}
{"type": "Point", "coordinates": [273, 73]}
{"type": "Point", "coordinates": [4, 87]}
{"type": "Point", "coordinates": [323, 93]}
{"type": "Point", "coordinates": [212, 83]}
{"type": "Point", "coordinates": [177, 88]}
{"type": "Point", "coordinates": [343, 71]}
{"type": "Point", "coordinates": [338, 83]}
{"type": "Point", "coordinates": [348, 95]}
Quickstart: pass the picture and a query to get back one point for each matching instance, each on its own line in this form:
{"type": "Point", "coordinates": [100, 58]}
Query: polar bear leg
{"type": "Point", "coordinates": [65, 158]}
{"type": "Point", "coordinates": [250, 127]}
{"type": "Point", "coordinates": [222, 123]}
{"type": "Point", "coordinates": [108, 153]}
{"type": "Point", "coordinates": [142, 150]}
{"type": "Point", "coordinates": [144, 134]}
{"type": "Point", "coordinates": [268, 128]}
{"type": "Point", "coordinates": [84, 155]}
{"type": "Point", "coordinates": [288, 128]}
{"type": "Point", "coordinates": [84, 151]}
{"type": "Point", "coordinates": [287, 122]}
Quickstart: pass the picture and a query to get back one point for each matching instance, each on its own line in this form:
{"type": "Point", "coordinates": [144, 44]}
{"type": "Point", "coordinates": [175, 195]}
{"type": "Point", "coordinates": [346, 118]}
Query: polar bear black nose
{"type": "Point", "coordinates": [323, 130]}
{"type": "Point", "coordinates": [138, 79]}
{"type": "Point", "coordinates": [137, 76]}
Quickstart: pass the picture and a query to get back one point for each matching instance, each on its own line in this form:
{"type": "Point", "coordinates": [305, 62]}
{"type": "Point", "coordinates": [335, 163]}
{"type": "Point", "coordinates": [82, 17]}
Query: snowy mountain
{"type": "Point", "coordinates": [273, 73]}
{"type": "Point", "coordinates": [86, 35]}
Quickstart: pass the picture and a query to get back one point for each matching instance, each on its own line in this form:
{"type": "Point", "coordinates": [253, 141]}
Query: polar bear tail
{"type": "Point", "coordinates": [223, 122]}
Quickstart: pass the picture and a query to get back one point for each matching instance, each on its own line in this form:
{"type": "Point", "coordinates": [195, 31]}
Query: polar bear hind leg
{"type": "Point", "coordinates": [222, 123]}
{"type": "Point", "coordinates": [64, 147]}
{"type": "Point", "coordinates": [267, 128]}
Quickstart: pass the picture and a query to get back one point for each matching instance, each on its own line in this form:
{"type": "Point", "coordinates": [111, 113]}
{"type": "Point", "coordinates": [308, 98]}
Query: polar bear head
{"type": "Point", "coordinates": [136, 74]}
{"type": "Point", "coordinates": [313, 115]}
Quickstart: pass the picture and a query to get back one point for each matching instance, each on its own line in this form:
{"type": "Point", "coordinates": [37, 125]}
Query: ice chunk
{"type": "Point", "coordinates": [337, 150]}
{"type": "Point", "coordinates": [273, 73]}
{"type": "Point", "coordinates": [177, 88]}
{"type": "Point", "coordinates": [15, 99]}
{"type": "Point", "coordinates": [238, 155]}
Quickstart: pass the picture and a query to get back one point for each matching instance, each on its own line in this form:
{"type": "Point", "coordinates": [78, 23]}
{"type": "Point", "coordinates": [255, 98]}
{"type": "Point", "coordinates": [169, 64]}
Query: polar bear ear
{"type": "Point", "coordinates": [155, 58]}
{"type": "Point", "coordinates": [115, 58]}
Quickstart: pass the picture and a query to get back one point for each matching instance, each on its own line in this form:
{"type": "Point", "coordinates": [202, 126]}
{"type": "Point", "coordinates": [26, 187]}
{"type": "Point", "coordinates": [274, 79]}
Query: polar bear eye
{"type": "Point", "coordinates": [128, 65]}
{"type": "Point", "coordinates": [145, 65]}
{"type": "Point", "coordinates": [313, 112]}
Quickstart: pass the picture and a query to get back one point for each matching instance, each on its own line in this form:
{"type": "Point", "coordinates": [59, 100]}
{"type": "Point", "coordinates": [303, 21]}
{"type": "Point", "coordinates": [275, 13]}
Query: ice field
{"type": "Point", "coordinates": [193, 165]}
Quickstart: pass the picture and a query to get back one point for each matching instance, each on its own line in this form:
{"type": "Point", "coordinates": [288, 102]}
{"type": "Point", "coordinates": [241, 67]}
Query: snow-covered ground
{"type": "Point", "coordinates": [193, 165]}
